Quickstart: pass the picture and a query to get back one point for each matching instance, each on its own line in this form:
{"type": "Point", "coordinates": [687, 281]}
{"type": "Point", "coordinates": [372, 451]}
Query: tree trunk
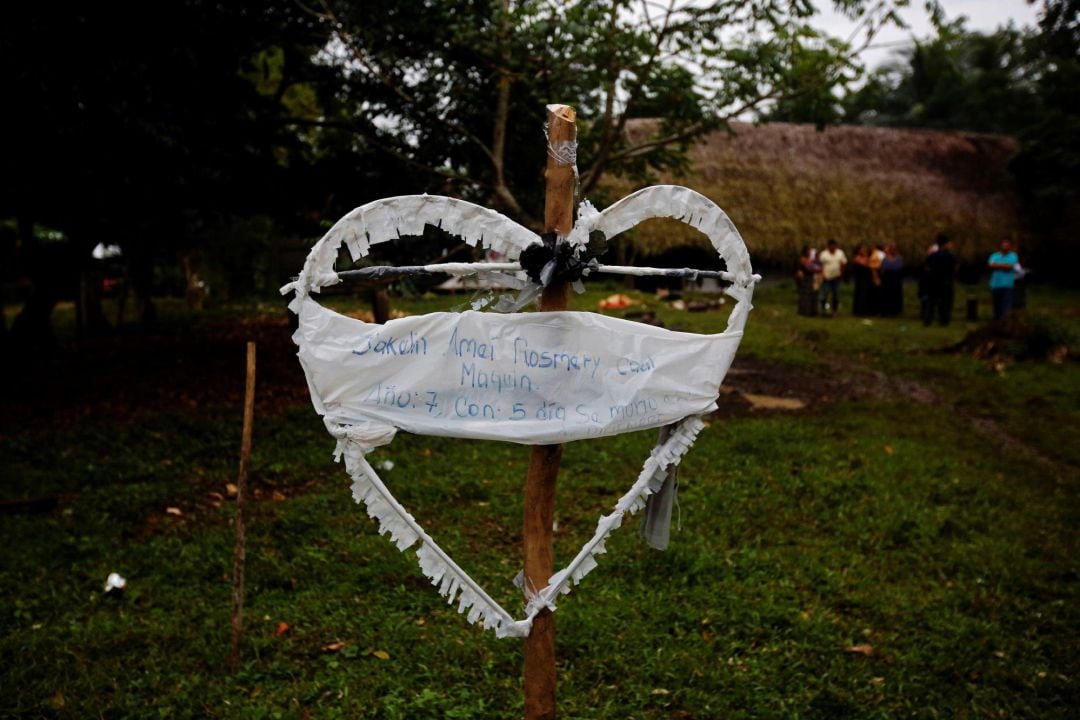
{"type": "Point", "coordinates": [90, 317]}
{"type": "Point", "coordinates": [141, 273]}
{"type": "Point", "coordinates": [31, 331]}
{"type": "Point", "coordinates": [380, 305]}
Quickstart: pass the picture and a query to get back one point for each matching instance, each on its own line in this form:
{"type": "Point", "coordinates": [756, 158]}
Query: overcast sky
{"type": "Point", "coordinates": [983, 15]}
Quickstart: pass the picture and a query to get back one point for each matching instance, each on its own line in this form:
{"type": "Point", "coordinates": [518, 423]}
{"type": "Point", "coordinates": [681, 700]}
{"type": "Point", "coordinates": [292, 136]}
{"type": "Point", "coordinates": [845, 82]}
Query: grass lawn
{"type": "Point", "coordinates": [904, 546]}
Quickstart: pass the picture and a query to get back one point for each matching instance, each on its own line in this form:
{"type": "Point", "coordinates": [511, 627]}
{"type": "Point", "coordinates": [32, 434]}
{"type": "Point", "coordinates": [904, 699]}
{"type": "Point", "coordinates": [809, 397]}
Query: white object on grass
{"type": "Point", "coordinates": [114, 582]}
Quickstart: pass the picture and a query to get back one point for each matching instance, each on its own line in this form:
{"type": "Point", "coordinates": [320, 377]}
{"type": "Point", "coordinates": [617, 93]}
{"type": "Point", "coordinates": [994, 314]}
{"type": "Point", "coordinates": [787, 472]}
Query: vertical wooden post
{"type": "Point", "coordinates": [240, 548]}
{"type": "Point", "coordinates": [539, 515]}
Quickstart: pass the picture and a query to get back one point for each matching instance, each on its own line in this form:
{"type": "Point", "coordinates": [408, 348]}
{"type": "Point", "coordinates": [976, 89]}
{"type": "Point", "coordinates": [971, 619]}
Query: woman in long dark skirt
{"type": "Point", "coordinates": [892, 282]}
{"type": "Point", "coordinates": [807, 269]}
{"type": "Point", "coordinates": [863, 278]}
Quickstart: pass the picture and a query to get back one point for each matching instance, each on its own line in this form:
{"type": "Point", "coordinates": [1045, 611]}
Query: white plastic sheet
{"type": "Point", "coordinates": [528, 378]}
{"type": "Point", "coordinates": [523, 377]}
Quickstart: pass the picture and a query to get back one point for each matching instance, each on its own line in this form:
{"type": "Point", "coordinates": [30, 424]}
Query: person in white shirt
{"type": "Point", "coordinates": [833, 261]}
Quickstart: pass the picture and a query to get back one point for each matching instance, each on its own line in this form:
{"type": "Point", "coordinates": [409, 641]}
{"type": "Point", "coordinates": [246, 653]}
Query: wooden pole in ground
{"type": "Point", "coordinates": [240, 548]}
{"type": "Point", "coordinates": [539, 685]}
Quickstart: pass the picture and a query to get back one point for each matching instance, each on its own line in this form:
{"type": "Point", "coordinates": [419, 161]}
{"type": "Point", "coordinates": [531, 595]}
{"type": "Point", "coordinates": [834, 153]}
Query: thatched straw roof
{"type": "Point", "coordinates": [785, 185]}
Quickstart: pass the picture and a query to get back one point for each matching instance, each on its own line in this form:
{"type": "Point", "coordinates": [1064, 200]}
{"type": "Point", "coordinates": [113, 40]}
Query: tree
{"type": "Point", "coordinates": [1014, 81]}
{"type": "Point", "coordinates": [224, 120]}
{"type": "Point", "coordinates": [955, 80]}
{"type": "Point", "coordinates": [1048, 164]}
{"type": "Point", "coordinates": [448, 88]}
{"type": "Point", "coordinates": [159, 138]}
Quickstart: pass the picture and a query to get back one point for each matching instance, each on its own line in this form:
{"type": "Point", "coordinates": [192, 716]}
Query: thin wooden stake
{"type": "Point", "coordinates": [240, 548]}
{"type": "Point", "coordinates": [539, 514]}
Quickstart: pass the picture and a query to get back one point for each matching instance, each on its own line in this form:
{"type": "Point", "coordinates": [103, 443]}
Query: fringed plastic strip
{"type": "Point", "coordinates": [649, 481]}
{"type": "Point", "coordinates": [453, 583]}
{"type": "Point", "coordinates": [391, 218]}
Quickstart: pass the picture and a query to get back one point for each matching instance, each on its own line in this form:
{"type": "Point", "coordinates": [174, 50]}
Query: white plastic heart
{"type": "Point", "coordinates": [531, 378]}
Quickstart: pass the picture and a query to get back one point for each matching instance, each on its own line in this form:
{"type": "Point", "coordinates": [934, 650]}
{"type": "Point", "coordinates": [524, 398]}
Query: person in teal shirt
{"type": "Point", "coordinates": [1002, 266]}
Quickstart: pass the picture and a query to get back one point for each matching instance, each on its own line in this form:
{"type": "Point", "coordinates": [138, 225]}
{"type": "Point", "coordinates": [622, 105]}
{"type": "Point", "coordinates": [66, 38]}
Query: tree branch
{"type": "Point", "coordinates": [384, 77]}
{"type": "Point", "coordinates": [447, 173]}
{"type": "Point", "coordinates": [691, 131]}
{"type": "Point", "coordinates": [611, 135]}
{"type": "Point", "coordinates": [502, 191]}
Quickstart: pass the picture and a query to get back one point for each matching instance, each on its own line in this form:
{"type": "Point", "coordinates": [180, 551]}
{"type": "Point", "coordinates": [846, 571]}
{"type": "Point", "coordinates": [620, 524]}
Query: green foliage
{"type": "Point", "coordinates": [819, 76]}
{"type": "Point", "coordinates": [160, 140]}
{"type": "Point", "coordinates": [1011, 81]}
{"type": "Point", "coordinates": [453, 82]}
{"type": "Point", "coordinates": [956, 80]}
{"type": "Point", "coordinates": [1048, 165]}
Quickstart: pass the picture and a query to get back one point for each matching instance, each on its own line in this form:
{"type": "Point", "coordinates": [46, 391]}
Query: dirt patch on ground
{"type": "Point", "coordinates": [754, 386]}
{"type": "Point", "coordinates": [121, 377]}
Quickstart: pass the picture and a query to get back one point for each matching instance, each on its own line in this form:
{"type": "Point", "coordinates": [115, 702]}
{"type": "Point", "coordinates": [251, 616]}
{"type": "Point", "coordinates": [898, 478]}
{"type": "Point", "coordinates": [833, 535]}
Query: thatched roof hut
{"type": "Point", "coordinates": [785, 185]}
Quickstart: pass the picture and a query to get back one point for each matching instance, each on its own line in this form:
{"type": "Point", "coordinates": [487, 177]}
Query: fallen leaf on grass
{"type": "Point", "coordinates": [277, 496]}
{"type": "Point", "coordinates": [381, 654]}
{"type": "Point", "coordinates": [879, 681]}
{"type": "Point", "coordinates": [231, 489]}
{"type": "Point", "coordinates": [173, 511]}
{"type": "Point", "coordinates": [660, 691]}
{"type": "Point", "coordinates": [862, 649]}
{"type": "Point", "coordinates": [282, 628]}
{"type": "Point", "coordinates": [332, 647]}
{"type": "Point", "coordinates": [889, 450]}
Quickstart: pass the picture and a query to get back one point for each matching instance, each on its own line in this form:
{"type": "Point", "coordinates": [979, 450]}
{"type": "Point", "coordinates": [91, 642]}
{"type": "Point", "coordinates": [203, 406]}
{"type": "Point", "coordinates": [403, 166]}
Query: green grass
{"type": "Point", "coordinates": [876, 521]}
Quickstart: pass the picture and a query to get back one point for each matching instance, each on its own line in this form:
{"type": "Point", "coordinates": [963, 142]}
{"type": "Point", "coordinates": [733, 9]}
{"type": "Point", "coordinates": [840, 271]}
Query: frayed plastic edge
{"type": "Point", "coordinates": [451, 581]}
{"type": "Point", "coordinates": [665, 454]}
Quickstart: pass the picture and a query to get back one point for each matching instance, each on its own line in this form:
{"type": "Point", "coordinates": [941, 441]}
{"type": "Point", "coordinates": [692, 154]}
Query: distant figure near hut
{"type": "Point", "coordinates": [892, 282]}
{"type": "Point", "coordinates": [807, 275]}
{"type": "Point", "coordinates": [1002, 265]}
{"type": "Point", "coordinates": [924, 282]}
{"type": "Point", "coordinates": [862, 302]}
{"type": "Point", "coordinates": [833, 261]}
{"type": "Point", "coordinates": [940, 274]}
{"type": "Point", "coordinates": [877, 256]}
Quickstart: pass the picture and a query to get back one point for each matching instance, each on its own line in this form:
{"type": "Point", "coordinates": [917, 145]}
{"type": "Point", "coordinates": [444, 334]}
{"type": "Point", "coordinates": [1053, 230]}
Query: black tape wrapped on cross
{"type": "Point", "coordinates": [553, 260]}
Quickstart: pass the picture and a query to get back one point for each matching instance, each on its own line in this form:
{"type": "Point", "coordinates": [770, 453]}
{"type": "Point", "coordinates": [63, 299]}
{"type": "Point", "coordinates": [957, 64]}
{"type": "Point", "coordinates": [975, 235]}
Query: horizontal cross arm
{"type": "Point", "coordinates": [381, 272]}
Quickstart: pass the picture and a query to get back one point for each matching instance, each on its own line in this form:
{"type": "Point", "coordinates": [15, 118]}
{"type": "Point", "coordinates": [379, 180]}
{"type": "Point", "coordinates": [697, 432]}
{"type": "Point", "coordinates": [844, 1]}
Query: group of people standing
{"type": "Point", "coordinates": [876, 273]}
{"type": "Point", "coordinates": [877, 276]}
